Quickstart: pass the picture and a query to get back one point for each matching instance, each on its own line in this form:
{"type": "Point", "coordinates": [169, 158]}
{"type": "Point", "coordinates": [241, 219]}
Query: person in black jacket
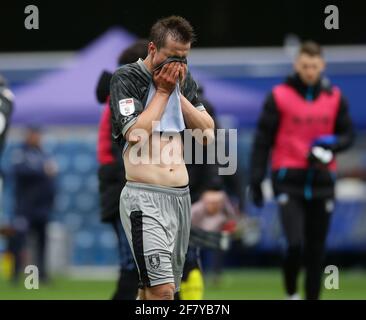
{"type": "Point", "coordinates": [304, 123]}
{"type": "Point", "coordinates": [34, 173]}
{"type": "Point", "coordinates": [111, 175]}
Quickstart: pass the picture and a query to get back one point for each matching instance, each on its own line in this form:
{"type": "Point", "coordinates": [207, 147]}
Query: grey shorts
{"type": "Point", "coordinates": [157, 223]}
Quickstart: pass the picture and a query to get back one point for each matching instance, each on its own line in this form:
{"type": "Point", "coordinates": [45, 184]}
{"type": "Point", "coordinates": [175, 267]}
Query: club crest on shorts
{"type": "Point", "coordinates": [126, 106]}
{"type": "Point", "coordinates": [154, 260]}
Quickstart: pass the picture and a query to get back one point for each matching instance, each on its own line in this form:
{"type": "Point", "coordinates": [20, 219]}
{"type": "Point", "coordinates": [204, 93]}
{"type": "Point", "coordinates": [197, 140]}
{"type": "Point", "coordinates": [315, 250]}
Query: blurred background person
{"type": "Point", "coordinates": [34, 173]}
{"type": "Point", "coordinates": [111, 176]}
{"type": "Point", "coordinates": [305, 122]}
{"type": "Point", "coordinates": [215, 213]}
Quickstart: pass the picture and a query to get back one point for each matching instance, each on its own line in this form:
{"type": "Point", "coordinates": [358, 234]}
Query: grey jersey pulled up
{"type": "Point", "coordinates": [132, 81]}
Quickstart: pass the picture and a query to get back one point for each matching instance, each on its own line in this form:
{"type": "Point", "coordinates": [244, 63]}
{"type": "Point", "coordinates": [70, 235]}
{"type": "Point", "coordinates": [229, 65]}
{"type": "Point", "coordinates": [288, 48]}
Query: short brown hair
{"type": "Point", "coordinates": [311, 48]}
{"type": "Point", "coordinates": [177, 27]}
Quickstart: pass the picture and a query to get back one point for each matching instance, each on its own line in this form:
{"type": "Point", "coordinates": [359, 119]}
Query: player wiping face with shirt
{"type": "Point", "coordinates": [151, 98]}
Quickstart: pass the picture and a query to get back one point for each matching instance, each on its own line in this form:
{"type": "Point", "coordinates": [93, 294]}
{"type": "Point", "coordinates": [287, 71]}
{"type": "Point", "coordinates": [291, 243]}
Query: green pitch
{"type": "Point", "coordinates": [233, 284]}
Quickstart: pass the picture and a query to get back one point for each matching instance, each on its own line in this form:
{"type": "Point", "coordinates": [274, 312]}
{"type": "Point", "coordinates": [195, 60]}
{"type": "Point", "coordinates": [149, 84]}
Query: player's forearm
{"type": "Point", "coordinates": [194, 118]}
{"type": "Point", "coordinates": [153, 112]}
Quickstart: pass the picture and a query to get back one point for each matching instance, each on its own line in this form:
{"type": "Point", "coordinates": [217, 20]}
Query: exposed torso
{"type": "Point", "coordinates": [158, 161]}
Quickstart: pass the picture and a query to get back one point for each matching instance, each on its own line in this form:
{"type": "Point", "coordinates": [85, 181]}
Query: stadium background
{"type": "Point", "coordinates": [241, 52]}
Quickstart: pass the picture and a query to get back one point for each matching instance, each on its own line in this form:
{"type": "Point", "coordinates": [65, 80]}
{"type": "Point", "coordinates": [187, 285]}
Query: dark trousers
{"type": "Point", "coordinates": [305, 225]}
{"type": "Point", "coordinates": [38, 231]}
{"type": "Point", "coordinates": [17, 244]}
{"type": "Point", "coordinates": [127, 284]}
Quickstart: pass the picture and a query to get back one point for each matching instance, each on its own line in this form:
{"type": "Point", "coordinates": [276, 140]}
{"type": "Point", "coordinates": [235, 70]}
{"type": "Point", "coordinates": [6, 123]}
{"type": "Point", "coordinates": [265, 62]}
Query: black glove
{"type": "Point", "coordinates": [256, 195]}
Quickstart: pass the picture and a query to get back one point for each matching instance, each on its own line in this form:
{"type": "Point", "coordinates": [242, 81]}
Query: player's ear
{"type": "Point", "coordinates": [151, 48]}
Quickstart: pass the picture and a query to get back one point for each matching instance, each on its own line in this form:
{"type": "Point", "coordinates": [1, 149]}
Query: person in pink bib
{"type": "Point", "coordinates": [304, 123]}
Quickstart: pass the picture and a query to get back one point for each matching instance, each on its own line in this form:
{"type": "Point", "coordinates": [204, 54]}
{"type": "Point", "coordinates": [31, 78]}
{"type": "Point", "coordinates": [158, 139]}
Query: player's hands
{"type": "Point", "coordinates": [166, 78]}
{"type": "Point", "coordinates": [256, 194]}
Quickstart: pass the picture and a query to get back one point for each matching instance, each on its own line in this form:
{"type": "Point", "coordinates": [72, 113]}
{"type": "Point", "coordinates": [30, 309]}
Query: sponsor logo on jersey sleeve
{"type": "Point", "coordinates": [126, 106]}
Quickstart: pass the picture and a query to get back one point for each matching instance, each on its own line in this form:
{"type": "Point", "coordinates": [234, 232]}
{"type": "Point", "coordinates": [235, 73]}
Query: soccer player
{"type": "Point", "coordinates": [150, 98]}
{"type": "Point", "coordinates": [304, 123]}
{"type": "Point", "coordinates": [34, 174]}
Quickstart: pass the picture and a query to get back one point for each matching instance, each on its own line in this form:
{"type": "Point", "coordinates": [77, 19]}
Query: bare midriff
{"type": "Point", "coordinates": [160, 163]}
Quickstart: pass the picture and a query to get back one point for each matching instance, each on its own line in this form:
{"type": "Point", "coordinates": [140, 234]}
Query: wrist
{"type": "Point", "coordinates": [162, 92]}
